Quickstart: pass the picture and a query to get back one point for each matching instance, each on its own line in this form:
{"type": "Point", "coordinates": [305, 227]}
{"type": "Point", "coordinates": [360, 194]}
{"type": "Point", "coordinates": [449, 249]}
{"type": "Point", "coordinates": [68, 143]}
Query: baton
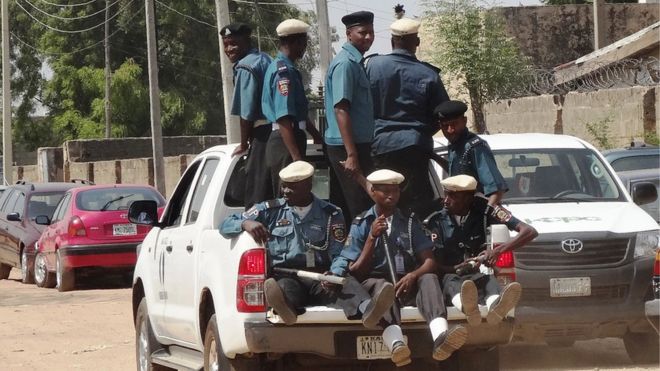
{"type": "Point", "coordinates": [311, 275]}
{"type": "Point", "coordinates": [388, 256]}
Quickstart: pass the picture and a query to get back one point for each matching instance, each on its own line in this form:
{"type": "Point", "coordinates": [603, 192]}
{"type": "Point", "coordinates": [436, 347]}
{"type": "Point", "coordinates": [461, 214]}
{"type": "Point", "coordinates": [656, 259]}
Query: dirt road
{"type": "Point", "coordinates": [91, 329]}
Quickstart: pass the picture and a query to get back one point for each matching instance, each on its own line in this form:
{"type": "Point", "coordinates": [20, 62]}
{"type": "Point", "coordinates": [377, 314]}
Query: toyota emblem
{"type": "Point", "coordinates": [571, 246]}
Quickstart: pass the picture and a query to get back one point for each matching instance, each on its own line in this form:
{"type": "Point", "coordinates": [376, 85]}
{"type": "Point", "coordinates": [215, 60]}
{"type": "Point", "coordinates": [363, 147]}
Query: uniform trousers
{"type": "Point", "coordinates": [258, 186]}
{"type": "Point", "coordinates": [487, 285]}
{"type": "Point", "coordinates": [278, 156]}
{"type": "Point", "coordinates": [413, 163]}
{"type": "Point", "coordinates": [427, 297]}
{"type": "Point", "coordinates": [350, 196]}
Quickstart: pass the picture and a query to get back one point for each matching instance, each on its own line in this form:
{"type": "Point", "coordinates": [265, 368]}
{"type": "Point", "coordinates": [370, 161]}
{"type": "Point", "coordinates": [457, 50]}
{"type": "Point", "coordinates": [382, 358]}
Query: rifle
{"type": "Point", "coordinates": [311, 275]}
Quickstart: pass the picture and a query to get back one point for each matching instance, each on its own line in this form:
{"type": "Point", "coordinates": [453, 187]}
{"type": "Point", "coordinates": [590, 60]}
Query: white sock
{"type": "Point", "coordinates": [456, 300]}
{"type": "Point", "coordinates": [491, 299]}
{"type": "Point", "coordinates": [392, 334]}
{"type": "Point", "coordinates": [363, 306]}
{"type": "Point", "coordinates": [438, 326]}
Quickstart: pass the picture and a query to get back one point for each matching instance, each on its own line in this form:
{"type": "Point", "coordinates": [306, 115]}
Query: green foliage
{"type": "Point", "coordinates": [471, 44]}
{"type": "Point", "coordinates": [567, 2]}
{"type": "Point", "coordinates": [651, 138]}
{"type": "Point", "coordinates": [600, 130]}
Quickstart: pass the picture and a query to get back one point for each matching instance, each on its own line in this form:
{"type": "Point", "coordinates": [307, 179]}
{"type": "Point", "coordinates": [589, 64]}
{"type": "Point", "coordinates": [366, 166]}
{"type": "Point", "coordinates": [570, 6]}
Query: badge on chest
{"type": "Point", "coordinates": [282, 222]}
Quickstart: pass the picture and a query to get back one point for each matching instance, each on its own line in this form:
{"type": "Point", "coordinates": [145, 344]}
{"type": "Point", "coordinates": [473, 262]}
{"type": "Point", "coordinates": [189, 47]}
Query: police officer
{"type": "Point", "coordinates": [468, 153]}
{"type": "Point", "coordinates": [249, 68]}
{"type": "Point", "coordinates": [301, 231]}
{"type": "Point", "coordinates": [459, 233]}
{"type": "Point", "coordinates": [382, 230]}
{"type": "Point", "coordinates": [405, 92]}
{"type": "Point", "coordinates": [350, 114]}
{"type": "Point", "coordinates": [284, 102]}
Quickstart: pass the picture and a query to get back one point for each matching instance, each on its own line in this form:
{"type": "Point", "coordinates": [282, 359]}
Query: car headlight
{"type": "Point", "coordinates": [647, 243]}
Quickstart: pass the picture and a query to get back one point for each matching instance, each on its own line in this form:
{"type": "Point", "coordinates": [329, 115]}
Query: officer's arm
{"type": "Point", "coordinates": [366, 242]}
{"type": "Point", "coordinates": [247, 87]}
{"type": "Point", "coordinates": [489, 174]}
{"type": "Point", "coordinates": [526, 233]}
{"type": "Point", "coordinates": [288, 137]}
{"type": "Point", "coordinates": [495, 198]}
{"type": "Point", "coordinates": [313, 131]}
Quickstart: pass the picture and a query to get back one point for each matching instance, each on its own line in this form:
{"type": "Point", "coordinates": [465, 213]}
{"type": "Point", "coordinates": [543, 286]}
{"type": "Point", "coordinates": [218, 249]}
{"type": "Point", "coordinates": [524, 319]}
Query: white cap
{"type": "Point", "coordinates": [459, 183]}
{"type": "Point", "coordinates": [404, 26]}
{"type": "Point", "coordinates": [291, 27]}
{"type": "Point", "coordinates": [385, 176]}
{"type": "Point", "coordinates": [297, 171]}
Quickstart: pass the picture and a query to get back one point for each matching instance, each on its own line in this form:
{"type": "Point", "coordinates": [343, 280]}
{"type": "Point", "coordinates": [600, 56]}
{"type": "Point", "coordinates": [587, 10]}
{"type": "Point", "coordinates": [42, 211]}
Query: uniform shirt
{"type": "Point", "coordinates": [347, 80]}
{"type": "Point", "coordinates": [405, 234]}
{"type": "Point", "coordinates": [322, 230]}
{"type": "Point", "coordinates": [455, 241]}
{"type": "Point", "coordinates": [248, 84]}
{"type": "Point", "coordinates": [472, 156]}
{"type": "Point", "coordinates": [405, 92]}
{"type": "Point", "coordinates": [284, 92]}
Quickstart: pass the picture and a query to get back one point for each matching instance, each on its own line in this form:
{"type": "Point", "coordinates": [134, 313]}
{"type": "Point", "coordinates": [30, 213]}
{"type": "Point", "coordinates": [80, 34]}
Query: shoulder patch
{"type": "Point", "coordinates": [283, 86]}
{"type": "Point", "coordinates": [501, 214]}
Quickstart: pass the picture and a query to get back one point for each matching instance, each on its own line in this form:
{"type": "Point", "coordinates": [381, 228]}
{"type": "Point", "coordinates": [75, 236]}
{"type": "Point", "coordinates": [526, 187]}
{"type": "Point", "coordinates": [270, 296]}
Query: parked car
{"type": "Point", "coordinates": [633, 158]}
{"type": "Point", "coordinates": [89, 230]}
{"type": "Point", "coordinates": [19, 205]}
{"type": "Point", "coordinates": [631, 180]}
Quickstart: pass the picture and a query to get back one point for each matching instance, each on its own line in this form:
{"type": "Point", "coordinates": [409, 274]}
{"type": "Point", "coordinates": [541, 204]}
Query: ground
{"type": "Point", "coordinates": [92, 329]}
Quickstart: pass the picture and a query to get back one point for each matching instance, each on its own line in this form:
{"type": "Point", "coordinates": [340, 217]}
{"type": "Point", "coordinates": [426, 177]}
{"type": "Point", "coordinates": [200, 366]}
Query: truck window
{"type": "Point", "coordinates": [202, 186]}
{"type": "Point", "coordinates": [173, 214]}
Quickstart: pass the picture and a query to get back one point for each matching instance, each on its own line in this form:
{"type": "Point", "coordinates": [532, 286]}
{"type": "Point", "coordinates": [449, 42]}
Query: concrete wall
{"type": "Point", "coordinates": [553, 35]}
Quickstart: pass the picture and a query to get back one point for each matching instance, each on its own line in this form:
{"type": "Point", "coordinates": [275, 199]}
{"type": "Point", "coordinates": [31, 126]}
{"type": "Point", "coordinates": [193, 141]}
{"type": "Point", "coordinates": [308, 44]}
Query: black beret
{"type": "Point", "coordinates": [450, 109]}
{"type": "Point", "coordinates": [357, 18]}
{"type": "Point", "coordinates": [236, 29]}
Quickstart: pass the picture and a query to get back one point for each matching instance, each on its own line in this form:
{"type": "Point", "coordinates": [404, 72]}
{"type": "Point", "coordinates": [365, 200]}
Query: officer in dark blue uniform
{"type": "Point", "coordinates": [405, 92]}
{"type": "Point", "coordinates": [349, 109]}
{"type": "Point", "coordinates": [284, 102]}
{"type": "Point", "coordinates": [459, 232]}
{"type": "Point", "coordinates": [249, 68]}
{"type": "Point", "coordinates": [301, 231]}
{"type": "Point", "coordinates": [384, 230]}
{"type": "Point", "coordinates": [468, 153]}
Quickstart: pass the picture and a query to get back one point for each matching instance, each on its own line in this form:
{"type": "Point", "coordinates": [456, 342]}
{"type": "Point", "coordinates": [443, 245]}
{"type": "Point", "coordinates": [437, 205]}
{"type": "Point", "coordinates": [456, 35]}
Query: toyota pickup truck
{"type": "Point", "coordinates": [198, 298]}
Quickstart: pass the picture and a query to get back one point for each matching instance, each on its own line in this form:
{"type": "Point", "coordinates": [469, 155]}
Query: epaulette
{"type": "Point", "coordinates": [245, 67]}
{"type": "Point", "coordinates": [358, 219]}
{"type": "Point", "coordinates": [282, 68]}
{"type": "Point", "coordinates": [432, 67]}
{"type": "Point", "coordinates": [332, 209]}
{"type": "Point", "coordinates": [365, 60]}
{"type": "Point", "coordinates": [476, 140]}
{"type": "Point", "coordinates": [431, 216]}
{"type": "Point", "coordinates": [276, 202]}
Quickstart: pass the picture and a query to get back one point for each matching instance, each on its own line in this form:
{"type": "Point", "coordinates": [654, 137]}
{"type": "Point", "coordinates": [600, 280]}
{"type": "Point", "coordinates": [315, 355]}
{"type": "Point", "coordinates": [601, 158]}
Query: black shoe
{"type": "Point", "coordinates": [448, 342]}
{"type": "Point", "coordinates": [275, 298]}
{"type": "Point", "coordinates": [400, 353]}
{"type": "Point", "coordinates": [508, 300]}
{"type": "Point", "coordinates": [469, 301]}
{"type": "Point", "coordinates": [380, 303]}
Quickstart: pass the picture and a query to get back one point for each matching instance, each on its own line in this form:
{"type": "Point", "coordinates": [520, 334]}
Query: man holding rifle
{"type": "Point", "coordinates": [386, 247]}
{"type": "Point", "coordinates": [303, 234]}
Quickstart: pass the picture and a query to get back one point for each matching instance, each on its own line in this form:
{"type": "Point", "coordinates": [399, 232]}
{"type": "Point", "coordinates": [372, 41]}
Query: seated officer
{"type": "Point", "coordinates": [301, 231]}
{"type": "Point", "coordinates": [411, 267]}
{"type": "Point", "coordinates": [459, 232]}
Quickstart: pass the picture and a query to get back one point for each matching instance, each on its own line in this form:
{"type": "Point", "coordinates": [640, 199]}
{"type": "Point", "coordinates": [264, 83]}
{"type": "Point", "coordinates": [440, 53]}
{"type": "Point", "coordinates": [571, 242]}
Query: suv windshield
{"type": "Point", "coordinates": [556, 175]}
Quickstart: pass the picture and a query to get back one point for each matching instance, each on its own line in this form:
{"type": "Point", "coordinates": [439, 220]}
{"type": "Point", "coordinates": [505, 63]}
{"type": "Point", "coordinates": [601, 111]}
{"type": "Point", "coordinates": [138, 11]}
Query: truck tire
{"type": "Point", "coordinates": [26, 273]}
{"type": "Point", "coordinates": [642, 347]}
{"type": "Point", "coordinates": [475, 359]}
{"type": "Point", "coordinates": [214, 356]}
{"type": "Point", "coordinates": [4, 271]}
{"type": "Point", "coordinates": [65, 278]}
{"type": "Point", "coordinates": [145, 341]}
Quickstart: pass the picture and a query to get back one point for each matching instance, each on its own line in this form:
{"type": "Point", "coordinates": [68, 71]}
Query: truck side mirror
{"type": "Point", "coordinates": [143, 212]}
{"type": "Point", "coordinates": [42, 220]}
{"type": "Point", "coordinates": [644, 193]}
{"type": "Point", "coordinates": [14, 217]}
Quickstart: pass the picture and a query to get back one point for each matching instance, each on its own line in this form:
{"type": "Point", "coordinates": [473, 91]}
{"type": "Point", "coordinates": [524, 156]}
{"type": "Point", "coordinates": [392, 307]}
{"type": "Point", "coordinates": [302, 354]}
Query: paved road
{"type": "Point", "coordinates": [91, 329]}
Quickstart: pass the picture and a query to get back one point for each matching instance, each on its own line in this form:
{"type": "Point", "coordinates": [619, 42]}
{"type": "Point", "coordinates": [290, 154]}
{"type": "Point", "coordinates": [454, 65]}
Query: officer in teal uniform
{"type": "Point", "coordinates": [382, 230]}
{"type": "Point", "coordinates": [468, 153]}
{"type": "Point", "coordinates": [349, 111]}
{"type": "Point", "coordinates": [249, 68]}
{"type": "Point", "coordinates": [301, 231]}
{"type": "Point", "coordinates": [405, 91]}
{"type": "Point", "coordinates": [284, 102]}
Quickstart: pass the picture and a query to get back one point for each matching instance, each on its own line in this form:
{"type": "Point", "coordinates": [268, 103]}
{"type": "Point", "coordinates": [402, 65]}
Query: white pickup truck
{"type": "Point", "coordinates": [198, 299]}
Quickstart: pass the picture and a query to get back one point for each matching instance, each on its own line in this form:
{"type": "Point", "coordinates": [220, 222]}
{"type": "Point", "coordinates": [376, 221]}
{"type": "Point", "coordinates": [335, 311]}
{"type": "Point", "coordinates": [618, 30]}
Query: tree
{"type": "Point", "coordinates": [471, 44]}
{"type": "Point", "coordinates": [567, 2]}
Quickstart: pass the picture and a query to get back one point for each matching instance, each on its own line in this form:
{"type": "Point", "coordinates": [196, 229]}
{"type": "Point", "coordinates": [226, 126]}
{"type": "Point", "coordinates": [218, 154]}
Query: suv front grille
{"type": "Point", "coordinates": [594, 253]}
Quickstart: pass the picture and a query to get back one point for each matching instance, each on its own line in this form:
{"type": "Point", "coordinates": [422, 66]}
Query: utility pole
{"type": "Point", "coordinates": [154, 99]}
{"type": "Point", "coordinates": [231, 122]}
{"type": "Point", "coordinates": [599, 24]}
{"type": "Point", "coordinates": [7, 153]}
{"type": "Point", "coordinates": [106, 45]}
{"type": "Point", "coordinates": [325, 44]}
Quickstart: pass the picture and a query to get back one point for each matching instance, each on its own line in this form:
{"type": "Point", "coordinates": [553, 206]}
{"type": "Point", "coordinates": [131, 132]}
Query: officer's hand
{"type": "Point", "coordinates": [406, 285]}
{"type": "Point", "coordinates": [327, 286]}
{"type": "Point", "coordinates": [352, 166]}
{"type": "Point", "coordinates": [257, 230]}
{"type": "Point", "coordinates": [239, 150]}
{"type": "Point", "coordinates": [489, 257]}
{"type": "Point", "coordinates": [378, 226]}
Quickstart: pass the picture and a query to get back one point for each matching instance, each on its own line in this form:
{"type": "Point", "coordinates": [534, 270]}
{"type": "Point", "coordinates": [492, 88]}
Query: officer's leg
{"type": "Point", "coordinates": [258, 186]}
{"type": "Point", "coordinates": [355, 199]}
{"type": "Point", "coordinates": [287, 296]}
{"type": "Point", "coordinates": [451, 286]}
{"type": "Point", "coordinates": [277, 155]}
{"type": "Point", "coordinates": [499, 304]}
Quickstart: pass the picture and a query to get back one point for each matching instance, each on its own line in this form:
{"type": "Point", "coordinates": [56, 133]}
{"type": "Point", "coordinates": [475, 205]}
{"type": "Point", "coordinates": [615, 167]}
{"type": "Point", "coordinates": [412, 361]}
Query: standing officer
{"type": "Point", "coordinates": [301, 231]}
{"type": "Point", "coordinates": [468, 153]}
{"type": "Point", "coordinates": [382, 230]}
{"type": "Point", "coordinates": [249, 68]}
{"type": "Point", "coordinates": [349, 111]}
{"type": "Point", "coordinates": [459, 232]}
{"type": "Point", "coordinates": [284, 102]}
{"type": "Point", "coordinates": [405, 91]}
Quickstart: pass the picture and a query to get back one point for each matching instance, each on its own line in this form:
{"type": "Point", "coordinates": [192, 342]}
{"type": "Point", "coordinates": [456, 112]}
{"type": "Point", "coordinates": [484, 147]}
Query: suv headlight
{"type": "Point", "coordinates": [646, 243]}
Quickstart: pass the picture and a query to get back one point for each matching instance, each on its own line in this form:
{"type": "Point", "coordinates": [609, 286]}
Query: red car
{"type": "Point", "coordinates": [90, 229]}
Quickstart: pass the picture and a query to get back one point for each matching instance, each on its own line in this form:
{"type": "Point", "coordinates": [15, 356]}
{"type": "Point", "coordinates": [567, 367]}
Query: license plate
{"type": "Point", "coordinates": [373, 347]}
{"type": "Point", "coordinates": [573, 286]}
{"type": "Point", "coordinates": [124, 229]}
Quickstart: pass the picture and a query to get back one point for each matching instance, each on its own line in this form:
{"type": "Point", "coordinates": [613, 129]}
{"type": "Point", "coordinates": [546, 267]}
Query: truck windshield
{"type": "Point", "coordinates": [556, 175]}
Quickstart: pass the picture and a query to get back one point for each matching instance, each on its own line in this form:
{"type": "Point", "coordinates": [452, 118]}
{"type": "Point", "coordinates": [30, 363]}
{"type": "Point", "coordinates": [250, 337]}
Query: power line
{"type": "Point", "coordinates": [69, 18]}
{"type": "Point", "coordinates": [185, 15]}
{"type": "Point", "coordinates": [68, 5]}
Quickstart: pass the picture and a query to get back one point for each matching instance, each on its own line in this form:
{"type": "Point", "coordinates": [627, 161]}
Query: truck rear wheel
{"type": "Point", "coordinates": [214, 356]}
{"type": "Point", "coordinates": [642, 347]}
{"type": "Point", "coordinates": [145, 341]}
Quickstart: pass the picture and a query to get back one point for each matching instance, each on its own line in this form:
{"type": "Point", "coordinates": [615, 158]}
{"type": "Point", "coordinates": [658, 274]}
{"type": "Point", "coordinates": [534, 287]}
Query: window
{"type": "Point", "coordinates": [43, 204]}
{"type": "Point", "coordinates": [61, 208]}
{"type": "Point", "coordinates": [636, 163]}
{"type": "Point", "coordinates": [174, 211]}
{"type": "Point", "coordinates": [115, 198]}
{"type": "Point", "coordinates": [202, 186]}
{"type": "Point", "coordinates": [6, 196]}
{"type": "Point", "coordinates": [10, 202]}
